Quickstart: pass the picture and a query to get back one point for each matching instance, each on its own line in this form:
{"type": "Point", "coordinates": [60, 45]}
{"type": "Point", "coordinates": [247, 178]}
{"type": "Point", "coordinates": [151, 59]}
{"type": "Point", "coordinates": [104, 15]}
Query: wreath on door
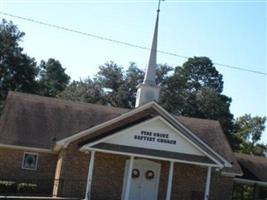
{"type": "Point", "coordinates": [135, 173]}
{"type": "Point", "coordinates": [150, 174]}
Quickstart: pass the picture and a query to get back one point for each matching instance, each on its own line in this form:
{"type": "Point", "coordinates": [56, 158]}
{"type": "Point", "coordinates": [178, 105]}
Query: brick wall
{"type": "Point", "coordinates": [11, 165]}
{"type": "Point", "coordinates": [221, 187]}
{"type": "Point", "coordinates": [73, 172]}
{"type": "Point", "coordinates": [42, 177]}
{"type": "Point", "coordinates": [188, 182]}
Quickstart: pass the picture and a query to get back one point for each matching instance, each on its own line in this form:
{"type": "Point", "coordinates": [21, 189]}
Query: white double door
{"type": "Point", "coordinates": [145, 178]}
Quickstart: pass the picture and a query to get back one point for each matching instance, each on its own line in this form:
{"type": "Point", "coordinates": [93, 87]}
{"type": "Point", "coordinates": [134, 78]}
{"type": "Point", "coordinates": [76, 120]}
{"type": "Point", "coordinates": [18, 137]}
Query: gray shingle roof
{"type": "Point", "coordinates": [254, 167]}
{"type": "Point", "coordinates": [35, 121]}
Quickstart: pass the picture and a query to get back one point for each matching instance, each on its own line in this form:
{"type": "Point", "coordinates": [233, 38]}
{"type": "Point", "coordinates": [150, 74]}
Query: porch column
{"type": "Point", "coordinates": [129, 177]}
{"type": "Point", "coordinates": [169, 187]}
{"type": "Point", "coordinates": [207, 188]}
{"type": "Point", "coordinates": [90, 176]}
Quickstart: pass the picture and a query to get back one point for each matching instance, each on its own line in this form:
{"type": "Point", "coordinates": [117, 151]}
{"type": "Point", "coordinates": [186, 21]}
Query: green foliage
{"type": "Point", "coordinates": [119, 86]}
{"type": "Point", "coordinates": [87, 90]}
{"type": "Point", "coordinates": [27, 188]}
{"type": "Point", "coordinates": [52, 78]}
{"type": "Point", "coordinates": [248, 130]}
{"type": "Point", "coordinates": [195, 90]}
{"type": "Point", "coordinates": [111, 79]}
{"type": "Point", "coordinates": [243, 191]}
{"type": "Point", "coordinates": [17, 70]}
{"type": "Point", "coordinates": [13, 188]}
{"type": "Point", "coordinates": [8, 187]}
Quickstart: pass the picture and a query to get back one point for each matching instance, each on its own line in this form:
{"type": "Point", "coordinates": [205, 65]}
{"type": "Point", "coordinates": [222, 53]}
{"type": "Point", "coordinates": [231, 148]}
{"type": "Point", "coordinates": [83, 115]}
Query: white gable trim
{"type": "Point", "coordinates": [231, 174]}
{"type": "Point", "coordinates": [87, 146]}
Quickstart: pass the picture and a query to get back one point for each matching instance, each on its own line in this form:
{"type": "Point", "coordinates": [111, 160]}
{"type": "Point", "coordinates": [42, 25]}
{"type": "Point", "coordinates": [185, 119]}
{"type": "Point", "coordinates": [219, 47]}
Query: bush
{"type": "Point", "coordinates": [27, 188]}
{"type": "Point", "coordinates": [8, 187]}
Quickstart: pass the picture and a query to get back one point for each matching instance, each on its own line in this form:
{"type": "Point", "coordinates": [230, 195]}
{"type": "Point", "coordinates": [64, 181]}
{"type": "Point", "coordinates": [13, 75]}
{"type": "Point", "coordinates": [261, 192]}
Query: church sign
{"type": "Point", "coordinates": [154, 137]}
{"type": "Point", "coordinates": [154, 134]}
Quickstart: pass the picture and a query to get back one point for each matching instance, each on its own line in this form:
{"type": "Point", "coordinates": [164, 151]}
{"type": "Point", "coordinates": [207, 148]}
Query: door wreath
{"type": "Point", "coordinates": [149, 174]}
{"type": "Point", "coordinates": [135, 173]}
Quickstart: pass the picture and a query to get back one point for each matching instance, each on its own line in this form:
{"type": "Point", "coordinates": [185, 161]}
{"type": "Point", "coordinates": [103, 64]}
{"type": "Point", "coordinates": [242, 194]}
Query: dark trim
{"type": "Point", "coordinates": [152, 152]}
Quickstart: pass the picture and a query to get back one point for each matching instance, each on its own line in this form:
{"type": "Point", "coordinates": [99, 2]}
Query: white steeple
{"type": "Point", "coordinates": [148, 90]}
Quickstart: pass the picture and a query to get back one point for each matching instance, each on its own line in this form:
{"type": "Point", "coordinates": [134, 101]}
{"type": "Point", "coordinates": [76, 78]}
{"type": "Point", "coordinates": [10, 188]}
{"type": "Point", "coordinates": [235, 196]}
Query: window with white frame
{"type": "Point", "coordinates": [30, 161]}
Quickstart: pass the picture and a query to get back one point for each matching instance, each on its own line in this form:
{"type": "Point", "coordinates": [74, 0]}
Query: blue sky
{"type": "Point", "coordinates": [229, 32]}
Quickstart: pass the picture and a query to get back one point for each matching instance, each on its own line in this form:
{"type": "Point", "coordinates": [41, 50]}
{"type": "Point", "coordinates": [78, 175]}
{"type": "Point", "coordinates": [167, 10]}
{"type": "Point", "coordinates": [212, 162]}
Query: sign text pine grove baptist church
{"type": "Point", "coordinates": [154, 137]}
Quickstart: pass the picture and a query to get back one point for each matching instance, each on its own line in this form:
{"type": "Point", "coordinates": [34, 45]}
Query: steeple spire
{"type": "Point", "coordinates": [150, 75]}
{"type": "Point", "coordinates": [148, 90]}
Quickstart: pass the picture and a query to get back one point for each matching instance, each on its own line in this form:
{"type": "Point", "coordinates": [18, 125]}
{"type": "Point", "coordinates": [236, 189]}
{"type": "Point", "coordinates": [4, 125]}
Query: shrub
{"type": "Point", "coordinates": [27, 188]}
{"type": "Point", "coordinates": [8, 187]}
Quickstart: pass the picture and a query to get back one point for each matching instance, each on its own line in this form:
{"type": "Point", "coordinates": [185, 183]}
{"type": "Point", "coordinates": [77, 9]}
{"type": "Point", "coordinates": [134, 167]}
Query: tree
{"type": "Point", "coordinates": [87, 90]}
{"type": "Point", "coordinates": [52, 78]}
{"type": "Point", "coordinates": [17, 70]}
{"type": "Point", "coordinates": [110, 77]}
{"type": "Point", "coordinates": [120, 87]}
{"type": "Point", "coordinates": [195, 90]}
{"type": "Point", "coordinates": [248, 130]}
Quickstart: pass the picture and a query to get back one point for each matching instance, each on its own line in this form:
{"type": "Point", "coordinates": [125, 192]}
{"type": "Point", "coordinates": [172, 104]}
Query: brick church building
{"type": "Point", "coordinates": [95, 152]}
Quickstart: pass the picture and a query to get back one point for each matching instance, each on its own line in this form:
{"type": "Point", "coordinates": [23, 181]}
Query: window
{"type": "Point", "coordinates": [30, 161]}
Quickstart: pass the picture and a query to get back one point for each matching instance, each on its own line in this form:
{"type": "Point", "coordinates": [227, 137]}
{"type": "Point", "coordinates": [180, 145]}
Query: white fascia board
{"type": "Point", "coordinates": [231, 174]}
{"type": "Point", "coordinates": [65, 142]}
{"type": "Point", "coordinates": [144, 123]}
{"type": "Point", "coordinates": [150, 157]}
{"type": "Point", "coordinates": [24, 148]}
{"type": "Point", "coordinates": [251, 182]}
{"type": "Point", "coordinates": [226, 163]}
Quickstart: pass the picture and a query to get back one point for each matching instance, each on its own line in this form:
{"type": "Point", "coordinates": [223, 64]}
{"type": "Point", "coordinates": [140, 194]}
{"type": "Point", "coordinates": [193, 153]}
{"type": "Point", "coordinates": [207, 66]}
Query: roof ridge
{"type": "Point", "coordinates": [61, 101]}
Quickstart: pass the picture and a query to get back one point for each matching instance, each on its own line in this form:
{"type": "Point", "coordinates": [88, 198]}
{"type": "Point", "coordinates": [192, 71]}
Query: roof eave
{"type": "Point", "coordinates": [252, 182]}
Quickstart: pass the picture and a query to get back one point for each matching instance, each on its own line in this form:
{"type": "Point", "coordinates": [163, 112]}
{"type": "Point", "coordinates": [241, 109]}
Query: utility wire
{"type": "Point", "coordinates": [123, 43]}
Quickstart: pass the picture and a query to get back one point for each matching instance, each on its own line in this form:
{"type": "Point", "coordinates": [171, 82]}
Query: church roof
{"type": "Point", "coordinates": [36, 121]}
{"type": "Point", "coordinates": [39, 122]}
{"type": "Point", "coordinates": [253, 167]}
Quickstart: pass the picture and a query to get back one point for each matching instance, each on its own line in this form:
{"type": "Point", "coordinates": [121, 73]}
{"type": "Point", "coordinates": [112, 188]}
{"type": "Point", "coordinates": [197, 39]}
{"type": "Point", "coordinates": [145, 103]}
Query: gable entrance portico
{"type": "Point", "coordinates": [153, 139]}
{"type": "Point", "coordinates": [118, 140]}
